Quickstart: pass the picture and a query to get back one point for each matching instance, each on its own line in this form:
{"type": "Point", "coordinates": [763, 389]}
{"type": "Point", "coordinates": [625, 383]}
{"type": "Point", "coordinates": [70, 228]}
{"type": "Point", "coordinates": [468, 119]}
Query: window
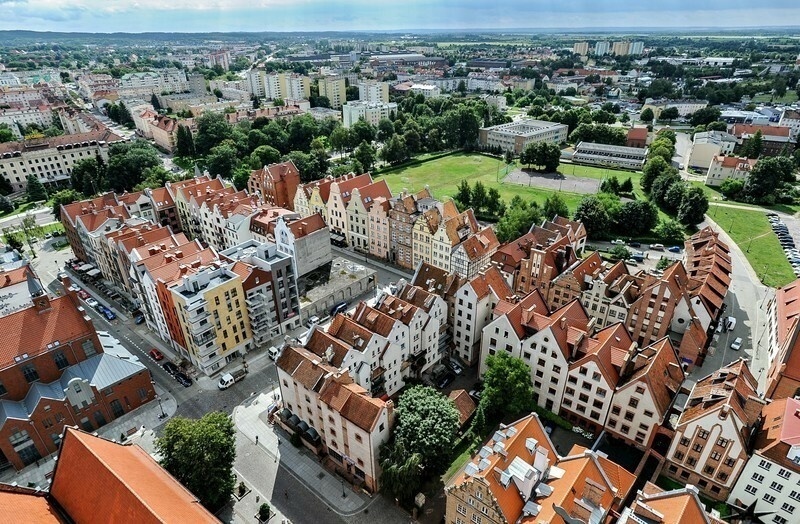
{"type": "Point", "coordinates": [788, 508]}
{"type": "Point", "coordinates": [684, 441]}
{"type": "Point", "coordinates": [60, 360]}
{"type": "Point", "coordinates": [30, 373]}
{"type": "Point", "coordinates": [678, 455]}
{"type": "Point", "coordinates": [697, 447]}
{"type": "Point", "coordinates": [615, 410]}
{"type": "Point", "coordinates": [715, 455]}
{"type": "Point", "coordinates": [476, 519]}
{"type": "Point", "coordinates": [629, 416]}
{"type": "Point", "coordinates": [751, 489]}
{"type": "Point", "coordinates": [722, 442]}
{"type": "Point", "coordinates": [708, 470]}
{"type": "Point", "coordinates": [88, 348]}
{"type": "Point", "coordinates": [3, 390]}
{"type": "Point", "coordinates": [779, 520]}
{"type": "Point", "coordinates": [729, 462]}
{"type": "Point", "coordinates": [769, 499]}
{"type": "Point", "coordinates": [795, 495]}
{"type": "Point", "coordinates": [723, 476]}
{"type": "Point", "coordinates": [758, 478]}
{"type": "Point", "coordinates": [764, 464]}
{"type": "Point", "coordinates": [633, 402]}
{"type": "Point", "coordinates": [777, 487]}
{"type": "Point", "coordinates": [461, 509]}
{"type": "Point", "coordinates": [358, 438]}
{"type": "Point", "coordinates": [703, 434]}
{"type": "Point", "coordinates": [784, 473]}
{"type": "Point", "coordinates": [142, 394]}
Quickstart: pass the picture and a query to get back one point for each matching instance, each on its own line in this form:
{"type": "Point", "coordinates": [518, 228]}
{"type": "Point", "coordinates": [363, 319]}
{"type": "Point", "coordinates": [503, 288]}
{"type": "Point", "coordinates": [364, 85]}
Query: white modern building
{"type": "Point", "coordinates": [515, 136]}
{"type": "Point", "coordinates": [371, 112]}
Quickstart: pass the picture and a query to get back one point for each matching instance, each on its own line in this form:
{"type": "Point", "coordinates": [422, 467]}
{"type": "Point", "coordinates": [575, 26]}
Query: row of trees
{"type": "Point", "coordinates": [768, 181]}
{"type": "Point", "coordinates": [485, 203]}
{"type": "Point", "coordinates": [545, 156]}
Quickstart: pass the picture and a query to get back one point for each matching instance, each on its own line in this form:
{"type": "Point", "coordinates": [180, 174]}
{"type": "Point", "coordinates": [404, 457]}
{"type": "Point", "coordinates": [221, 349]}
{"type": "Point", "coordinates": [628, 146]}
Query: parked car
{"type": "Point", "coordinates": [110, 315]}
{"type": "Point", "coordinates": [635, 244]}
{"type": "Point", "coordinates": [183, 379]}
{"type": "Point", "coordinates": [139, 319]}
{"type": "Point", "coordinates": [674, 249]}
{"type": "Point", "coordinates": [737, 344]}
{"type": "Point", "coordinates": [170, 368]}
{"type": "Point", "coordinates": [274, 353]}
{"type": "Point", "coordinates": [83, 294]}
{"type": "Point", "coordinates": [455, 367]}
{"type": "Point", "coordinates": [657, 247]}
{"type": "Point", "coordinates": [617, 242]}
{"type": "Point", "coordinates": [156, 355]}
{"type": "Point", "coordinates": [632, 262]}
{"type": "Point", "coordinates": [446, 380]}
{"type": "Point", "coordinates": [100, 309]}
{"type": "Point", "coordinates": [92, 302]}
{"type": "Point", "coordinates": [730, 323]}
{"type": "Point", "coordinates": [476, 394]}
{"type": "Point", "coordinates": [339, 308]}
{"type": "Point", "coordinates": [312, 321]}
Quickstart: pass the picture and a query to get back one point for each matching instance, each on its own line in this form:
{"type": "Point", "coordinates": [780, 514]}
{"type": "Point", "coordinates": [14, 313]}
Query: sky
{"type": "Point", "coordinates": [386, 15]}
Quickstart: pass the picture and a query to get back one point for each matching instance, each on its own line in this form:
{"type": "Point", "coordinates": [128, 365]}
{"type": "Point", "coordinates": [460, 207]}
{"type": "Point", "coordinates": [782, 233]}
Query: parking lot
{"type": "Point", "coordinates": [786, 239]}
{"type": "Point", "coordinates": [649, 254]}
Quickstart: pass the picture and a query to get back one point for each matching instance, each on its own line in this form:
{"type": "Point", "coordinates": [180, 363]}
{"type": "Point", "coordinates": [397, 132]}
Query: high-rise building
{"type": "Point", "coordinates": [636, 48]}
{"type": "Point", "coordinates": [620, 48]}
{"type": "Point", "coordinates": [334, 89]}
{"type": "Point", "coordinates": [601, 48]}
{"type": "Point", "coordinates": [580, 48]}
{"type": "Point", "coordinates": [374, 92]}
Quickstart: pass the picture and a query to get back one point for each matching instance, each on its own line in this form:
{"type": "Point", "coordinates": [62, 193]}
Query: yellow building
{"type": "Point", "coordinates": [424, 230]}
{"type": "Point", "coordinates": [335, 89]}
{"type": "Point", "coordinates": [211, 312]}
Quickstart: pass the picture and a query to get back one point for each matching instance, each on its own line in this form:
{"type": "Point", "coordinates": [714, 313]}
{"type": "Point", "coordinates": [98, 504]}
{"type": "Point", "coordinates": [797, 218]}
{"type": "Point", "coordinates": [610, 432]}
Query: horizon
{"type": "Point", "coordinates": [413, 16]}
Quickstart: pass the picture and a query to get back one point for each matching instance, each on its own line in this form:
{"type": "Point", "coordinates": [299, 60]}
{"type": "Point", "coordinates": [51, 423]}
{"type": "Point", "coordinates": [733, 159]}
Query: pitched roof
{"type": "Point", "coordinates": [779, 435]}
{"type": "Point", "coordinates": [464, 404]}
{"type": "Point", "coordinates": [371, 192]}
{"type": "Point", "coordinates": [750, 129]}
{"type": "Point", "coordinates": [353, 403]}
{"type": "Point", "coordinates": [276, 172]}
{"type": "Point", "coordinates": [510, 255]}
{"type": "Point", "coordinates": [28, 331]}
{"type": "Point", "coordinates": [637, 133]}
{"type": "Point", "coordinates": [787, 306]}
{"type": "Point", "coordinates": [740, 163]}
{"type": "Point", "coordinates": [95, 219]}
{"type": "Point", "coordinates": [161, 197]}
{"type": "Point", "coordinates": [653, 505]}
{"type": "Point", "coordinates": [480, 244]}
{"type": "Point", "coordinates": [659, 367]}
{"type": "Point", "coordinates": [347, 185]}
{"type": "Point", "coordinates": [437, 280]}
{"type": "Point", "coordinates": [304, 367]}
{"type": "Point", "coordinates": [306, 225]}
{"type": "Point", "coordinates": [94, 476]}
{"type": "Point", "coordinates": [490, 280]}
{"type": "Point", "coordinates": [708, 264]}
{"type": "Point", "coordinates": [76, 140]}
{"type": "Point", "coordinates": [350, 332]}
{"type": "Point", "coordinates": [322, 344]}
{"type": "Point", "coordinates": [609, 348]}
{"type": "Point", "coordinates": [373, 319]}
{"type": "Point", "coordinates": [20, 505]}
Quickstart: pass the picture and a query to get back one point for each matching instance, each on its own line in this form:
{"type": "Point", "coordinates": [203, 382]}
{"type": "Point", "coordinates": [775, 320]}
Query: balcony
{"type": "Point", "coordinates": [204, 338]}
{"type": "Point", "coordinates": [197, 315]}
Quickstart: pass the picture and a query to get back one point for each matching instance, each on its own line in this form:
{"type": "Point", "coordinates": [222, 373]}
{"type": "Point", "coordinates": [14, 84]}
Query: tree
{"type": "Point", "coordinates": [463, 196]}
{"type": "Point", "coordinates": [619, 252]}
{"type": "Point", "coordinates": [366, 155]}
{"type": "Point", "coordinates": [507, 386]}
{"type": "Point", "coordinates": [661, 188]}
{"type": "Point", "coordinates": [413, 141]}
{"type": "Point", "coordinates": [647, 115]}
{"type": "Point", "coordinates": [543, 155]}
{"type": "Point", "coordinates": [339, 139]}
{"type": "Point", "coordinates": [6, 205]}
{"type": "Point", "coordinates": [731, 188]}
{"type": "Point", "coordinates": [212, 129]}
{"type": "Point", "coordinates": [385, 129]}
{"type": "Point", "coordinates": [693, 207]}
{"type": "Point", "coordinates": [704, 116]}
{"type": "Point", "coordinates": [65, 196]}
{"type": "Point", "coordinates": [301, 131]}
{"type": "Point", "coordinates": [184, 142]}
{"type": "Point", "coordinates": [427, 423]}
{"type": "Point", "coordinates": [88, 175]}
{"type": "Point", "coordinates": [663, 263]}
{"type": "Point", "coordinates": [675, 195]}
{"type": "Point", "coordinates": [478, 196]}
{"type": "Point", "coordinates": [222, 160]}
{"type": "Point", "coordinates": [669, 114]}
{"type": "Point", "coordinates": [200, 455]}
{"type": "Point", "coordinates": [610, 185]}
{"type": "Point", "coordinates": [6, 134]}
{"type": "Point", "coordinates": [240, 177]}
{"type": "Point", "coordinates": [669, 231]}
{"type": "Point", "coordinates": [626, 187]}
{"type": "Point", "coordinates": [517, 219]}
{"type": "Point", "coordinates": [594, 216]}
{"type": "Point", "coordinates": [668, 134]}
{"type": "Point", "coordinates": [127, 163]}
{"type": "Point", "coordinates": [767, 177]}
{"type": "Point", "coordinates": [34, 190]}
{"type": "Point", "coordinates": [637, 218]}
{"type": "Point", "coordinates": [264, 156]}
{"type": "Point", "coordinates": [394, 151]}
{"type": "Point", "coordinates": [554, 205]}
{"type": "Point", "coordinates": [363, 131]}
{"type": "Point", "coordinates": [754, 146]}
{"type": "Point", "coordinates": [653, 168]}
{"type": "Point", "coordinates": [494, 204]}
{"type": "Point", "coordinates": [154, 102]}
{"type": "Point", "coordinates": [401, 477]}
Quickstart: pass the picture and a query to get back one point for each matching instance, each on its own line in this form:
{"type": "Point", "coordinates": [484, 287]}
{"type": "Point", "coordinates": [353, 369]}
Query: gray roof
{"type": "Point", "coordinates": [101, 371]}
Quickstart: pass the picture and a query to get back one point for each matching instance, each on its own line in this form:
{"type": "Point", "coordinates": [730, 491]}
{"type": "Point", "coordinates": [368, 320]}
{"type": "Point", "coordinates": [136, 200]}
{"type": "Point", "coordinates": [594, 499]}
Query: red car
{"type": "Point", "coordinates": [156, 355]}
{"type": "Point", "coordinates": [83, 294]}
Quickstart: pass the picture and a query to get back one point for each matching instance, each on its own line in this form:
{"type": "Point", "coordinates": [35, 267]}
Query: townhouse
{"type": "Point", "coordinates": [306, 240]}
{"type": "Point", "coordinates": [206, 222]}
{"type": "Point", "coordinates": [358, 213]}
{"type": "Point", "coordinates": [544, 262]}
{"type": "Point", "coordinates": [334, 416]}
{"type": "Point", "coordinates": [424, 229]}
{"type": "Point", "coordinates": [134, 247]}
{"type": "Point", "coordinates": [723, 168]}
{"type": "Point", "coordinates": [54, 373]}
{"type": "Point", "coordinates": [783, 327]}
{"type": "Point", "coordinates": [182, 193]}
{"type": "Point", "coordinates": [275, 184]}
{"type": "Point", "coordinates": [312, 197]}
{"type": "Point", "coordinates": [712, 435]}
{"type": "Point", "coordinates": [105, 203]}
{"type": "Point", "coordinates": [475, 253]}
{"type": "Point", "coordinates": [378, 233]}
{"type": "Point", "coordinates": [442, 283]}
{"type": "Point", "coordinates": [437, 310]}
{"type": "Point", "coordinates": [517, 476]}
{"type": "Point", "coordinates": [421, 330]}
{"type": "Point", "coordinates": [656, 506]}
{"type": "Point", "coordinates": [447, 238]}
{"type": "Point", "coordinates": [708, 265]}
{"type": "Point", "coordinates": [405, 210]}
{"type": "Point", "coordinates": [340, 194]}
{"type": "Point", "coordinates": [769, 480]}
{"type": "Point", "coordinates": [270, 285]}
{"type": "Point", "coordinates": [474, 307]}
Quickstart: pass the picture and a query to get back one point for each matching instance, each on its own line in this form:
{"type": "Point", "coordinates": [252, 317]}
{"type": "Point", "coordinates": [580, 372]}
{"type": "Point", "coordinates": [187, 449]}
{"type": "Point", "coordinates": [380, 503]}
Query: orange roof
{"type": "Point", "coordinates": [609, 348]}
{"type": "Point", "coordinates": [787, 300]}
{"type": "Point", "coordinates": [490, 280]}
{"type": "Point", "coordinates": [95, 219]}
{"type": "Point", "coordinates": [637, 133]}
{"type": "Point", "coordinates": [479, 244]}
{"type": "Point", "coordinates": [750, 129]}
{"type": "Point", "coordinates": [323, 344]}
{"type": "Point", "coordinates": [373, 319]}
{"type": "Point", "coordinates": [20, 505]}
{"type": "Point", "coordinates": [172, 273]}
{"type": "Point", "coordinates": [656, 506]}
{"type": "Point", "coordinates": [659, 366]}
{"type": "Point", "coordinates": [741, 163]}
{"type": "Point", "coordinates": [70, 211]}
{"type": "Point", "coordinates": [371, 192]}
{"type": "Point", "coordinates": [13, 277]}
{"type": "Point", "coordinates": [347, 185]}
{"type": "Point", "coordinates": [151, 234]}
{"type": "Point", "coordinates": [161, 197]}
{"type": "Point", "coordinates": [305, 367]}
{"type": "Point", "coordinates": [94, 476]}
{"type": "Point", "coordinates": [464, 404]}
{"type": "Point", "coordinates": [780, 432]}
{"type": "Point", "coordinates": [353, 403]}
{"type": "Point", "coordinates": [164, 253]}
{"type": "Point", "coordinates": [437, 280]}
{"type": "Point", "coordinates": [28, 331]}
{"type": "Point", "coordinates": [306, 225]}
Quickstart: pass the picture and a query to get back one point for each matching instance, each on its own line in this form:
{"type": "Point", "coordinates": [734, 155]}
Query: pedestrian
{"type": "Point", "coordinates": [256, 440]}
{"type": "Point", "coordinates": [286, 494]}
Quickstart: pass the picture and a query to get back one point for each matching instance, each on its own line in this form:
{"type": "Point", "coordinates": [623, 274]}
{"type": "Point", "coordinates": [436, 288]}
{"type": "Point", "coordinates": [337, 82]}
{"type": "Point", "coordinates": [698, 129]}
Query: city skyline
{"type": "Point", "coordinates": [359, 15]}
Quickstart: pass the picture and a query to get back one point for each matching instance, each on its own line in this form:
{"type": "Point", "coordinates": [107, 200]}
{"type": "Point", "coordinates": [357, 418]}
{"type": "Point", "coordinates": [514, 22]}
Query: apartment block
{"type": "Point", "coordinates": [335, 89]}
{"type": "Point", "coordinates": [270, 286]}
{"type": "Point", "coordinates": [516, 136]}
{"type": "Point", "coordinates": [437, 310]}
{"type": "Point", "coordinates": [723, 168]}
{"type": "Point", "coordinates": [358, 213]}
{"type": "Point", "coordinates": [336, 418]}
{"type": "Point", "coordinates": [437, 281]}
{"type": "Point", "coordinates": [769, 479]}
{"type": "Point", "coordinates": [783, 326]}
{"type": "Point", "coordinates": [210, 311]}
{"type": "Point", "coordinates": [580, 48]}
{"type": "Point", "coordinates": [791, 118]}
{"type": "Point", "coordinates": [371, 112]}
{"type": "Point", "coordinates": [517, 476]}
{"type": "Point", "coordinates": [710, 447]}
{"type": "Point", "coordinates": [774, 139]}
{"type": "Point", "coordinates": [182, 194]}
{"type": "Point", "coordinates": [708, 145]}
{"type": "Point", "coordinates": [51, 159]}
{"type": "Point", "coordinates": [474, 307]}
{"type": "Point", "coordinates": [621, 48]}
{"type": "Point", "coordinates": [275, 184]}
{"type": "Point", "coordinates": [373, 92]}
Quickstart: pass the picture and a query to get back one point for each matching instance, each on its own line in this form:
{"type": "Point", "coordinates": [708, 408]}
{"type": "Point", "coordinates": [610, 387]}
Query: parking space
{"type": "Point", "coordinates": [786, 238]}
{"type": "Point", "coordinates": [642, 256]}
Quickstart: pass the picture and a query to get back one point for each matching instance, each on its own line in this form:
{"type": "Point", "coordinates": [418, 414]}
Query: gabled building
{"type": "Point", "coordinates": [313, 197]}
{"type": "Point", "coordinates": [723, 168]}
{"type": "Point", "coordinates": [421, 330]}
{"type": "Point", "coordinates": [543, 263]}
{"type": "Point", "coordinates": [475, 253]}
{"type": "Point", "coordinates": [335, 417]}
{"type": "Point", "coordinates": [708, 265]}
{"type": "Point", "coordinates": [653, 505]}
{"type": "Point", "coordinates": [182, 192]}
{"type": "Point", "coordinates": [451, 233]}
{"type": "Point", "coordinates": [275, 184]}
{"type": "Point", "coordinates": [517, 477]}
{"type": "Point", "coordinates": [435, 306]}
{"type": "Point", "coordinates": [105, 205]}
{"type": "Point", "coordinates": [358, 213]}
{"type": "Point", "coordinates": [774, 139]}
{"type": "Point", "coordinates": [405, 210]}
{"type": "Point", "coordinates": [341, 192]}
{"type": "Point", "coordinates": [378, 229]}
{"type": "Point", "coordinates": [783, 342]}
{"type": "Point", "coordinates": [710, 447]}
{"type": "Point", "coordinates": [474, 306]}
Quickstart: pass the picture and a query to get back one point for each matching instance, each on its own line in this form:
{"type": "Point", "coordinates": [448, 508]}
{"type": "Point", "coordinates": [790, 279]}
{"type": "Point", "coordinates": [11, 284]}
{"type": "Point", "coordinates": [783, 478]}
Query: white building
{"type": "Point", "coordinates": [371, 112]}
{"type": "Point", "coordinates": [373, 92]}
{"type": "Point", "coordinates": [14, 118]}
{"type": "Point", "coordinates": [771, 477]}
{"type": "Point", "coordinates": [707, 145]}
{"type": "Point", "coordinates": [609, 155]}
{"type": "Point", "coordinates": [636, 48]}
{"type": "Point", "coordinates": [601, 48]}
{"type": "Point", "coordinates": [426, 90]}
{"type": "Point", "coordinates": [515, 136]}
{"type": "Point", "coordinates": [791, 119]}
{"type": "Point", "coordinates": [722, 168]}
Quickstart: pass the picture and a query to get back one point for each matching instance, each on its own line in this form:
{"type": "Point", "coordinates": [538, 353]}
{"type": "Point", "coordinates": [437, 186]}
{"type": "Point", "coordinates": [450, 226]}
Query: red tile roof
{"type": "Point", "coordinates": [637, 133]}
{"type": "Point", "coordinates": [371, 192]}
{"type": "Point", "coordinates": [464, 404]}
{"type": "Point", "coordinates": [28, 331]}
{"type": "Point", "coordinates": [750, 129]}
{"type": "Point", "coordinates": [94, 477]}
{"type": "Point", "coordinates": [353, 403]}
{"type": "Point", "coordinates": [20, 505]}
{"type": "Point", "coordinates": [780, 432]}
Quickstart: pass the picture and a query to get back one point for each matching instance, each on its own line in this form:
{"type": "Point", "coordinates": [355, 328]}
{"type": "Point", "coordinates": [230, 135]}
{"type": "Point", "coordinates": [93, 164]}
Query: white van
{"type": "Point", "coordinates": [274, 353]}
{"type": "Point", "coordinates": [730, 324]}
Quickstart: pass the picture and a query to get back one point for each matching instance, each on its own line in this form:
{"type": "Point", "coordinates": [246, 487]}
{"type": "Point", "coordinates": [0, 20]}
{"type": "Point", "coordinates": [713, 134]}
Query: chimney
{"type": "Point", "coordinates": [563, 322]}
{"type": "Point", "coordinates": [179, 254]}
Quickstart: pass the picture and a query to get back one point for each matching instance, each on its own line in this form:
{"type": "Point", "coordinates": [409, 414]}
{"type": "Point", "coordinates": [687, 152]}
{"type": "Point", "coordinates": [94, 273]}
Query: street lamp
{"type": "Point", "coordinates": [158, 397]}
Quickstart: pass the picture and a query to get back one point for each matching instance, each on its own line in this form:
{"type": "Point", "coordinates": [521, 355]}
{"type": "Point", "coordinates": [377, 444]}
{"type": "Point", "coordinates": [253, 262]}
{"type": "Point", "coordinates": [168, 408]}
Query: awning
{"type": "Point", "coordinates": [337, 237]}
{"type": "Point", "coordinates": [93, 273]}
{"type": "Point", "coordinates": [85, 267]}
{"type": "Point", "coordinates": [302, 426]}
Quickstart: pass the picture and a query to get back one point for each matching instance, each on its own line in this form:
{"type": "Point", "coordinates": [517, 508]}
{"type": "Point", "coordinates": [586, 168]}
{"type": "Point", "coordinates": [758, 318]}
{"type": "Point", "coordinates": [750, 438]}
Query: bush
{"type": "Point", "coordinates": [552, 417]}
{"type": "Point", "coordinates": [264, 512]}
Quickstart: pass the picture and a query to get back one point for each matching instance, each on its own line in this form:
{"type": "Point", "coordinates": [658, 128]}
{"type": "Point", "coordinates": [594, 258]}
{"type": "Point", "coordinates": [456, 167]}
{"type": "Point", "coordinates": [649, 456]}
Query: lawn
{"type": "Point", "coordinates": [788, 98]}
{"type": "Point", "coordinates": [27, 206]}
{"type": "Point", "coordinates": [751, 231]}
{"type": "Point", "coordinates": [444, 174]}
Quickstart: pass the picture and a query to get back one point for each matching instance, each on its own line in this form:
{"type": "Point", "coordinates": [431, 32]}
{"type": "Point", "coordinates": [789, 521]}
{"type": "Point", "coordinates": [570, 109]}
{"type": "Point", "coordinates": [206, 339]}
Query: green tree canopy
{"type": "Point", "coordinates": [767, 177]}
{"type": "Point", "coordinates": [200, 455]}
{"type": "Point", "coordinates": [65, 196]}
{"type": "Point", "coordinates": [366, 155]}
{"type": "Point", "coordinates": [184, 142]}
{"type": "Point", "coordinates": [212, 129]}
{"type": "Point", "coordinates": [517, 220]}
{"type": "Point", "coordinates": [507, 386]}
{"type": "Point", "coordinates": [554, 205]}
{"type": "Point", "coordinates": [594, 216]}
{"type": "Point", "coordinates": [693, 207]}
{"type": "Point", "coordinates": [34, 190]}
{"type": "Point", "coordinates": [670, 231]}
{"type": "Point", "coordinates": [264, 156]}
{"type": "Point", "coordinates": [637, 218]}
{"type": "Point", "coordinates": [222, 159]}
{"type": "Point", "coordinates": [654, 168]}
{"type": "Point", "coordinates": [647, 115]}
{"type": "Point", "coordinates": [127, 163]}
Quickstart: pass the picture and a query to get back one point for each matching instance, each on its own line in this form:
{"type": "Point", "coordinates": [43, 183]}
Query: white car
{"type": "Point", "coordinates": [91, 302]}
{"type": "Point", "coordinates": [737, 344]}
{"type": "Point", "coordinates": [618, 242]}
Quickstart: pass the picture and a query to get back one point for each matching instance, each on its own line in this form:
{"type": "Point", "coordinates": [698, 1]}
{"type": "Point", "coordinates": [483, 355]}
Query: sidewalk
{"type": "Point", "coordinates": [250, 420]}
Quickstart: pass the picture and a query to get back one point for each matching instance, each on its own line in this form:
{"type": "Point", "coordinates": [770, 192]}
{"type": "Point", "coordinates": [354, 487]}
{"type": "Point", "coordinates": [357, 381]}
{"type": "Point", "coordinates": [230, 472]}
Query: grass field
{"type": "Point", "coordinates": [788, 98]}
{"type": "Point", "coordinates": [444, 174]}
{"type": "Point", "coordinates": [751, 231]}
